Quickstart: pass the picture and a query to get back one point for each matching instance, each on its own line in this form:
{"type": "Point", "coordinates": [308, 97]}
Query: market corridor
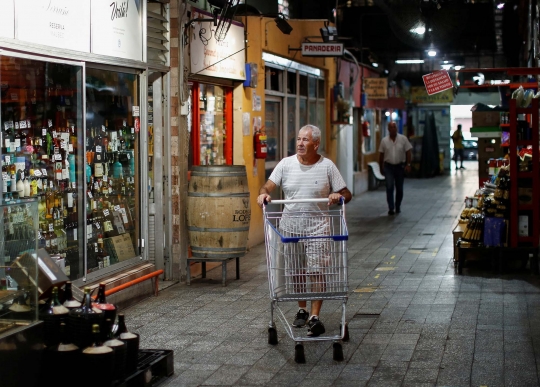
{"type": "Point", "coordinates": [412, 320]}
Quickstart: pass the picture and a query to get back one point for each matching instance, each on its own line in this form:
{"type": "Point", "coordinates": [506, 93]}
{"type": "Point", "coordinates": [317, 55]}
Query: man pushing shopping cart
{"type": "Point", "coordinates": [306, 243]}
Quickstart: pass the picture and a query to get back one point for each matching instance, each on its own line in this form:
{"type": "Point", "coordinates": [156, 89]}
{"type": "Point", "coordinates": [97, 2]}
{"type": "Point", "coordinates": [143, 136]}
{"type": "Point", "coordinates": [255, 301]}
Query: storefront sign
{"type": "Point", "coordinates": [117, 28]}
{"type": "Point", "coordinates": [376, 88]}
{"type": "Point", "coordinates": [419, 95]}
{"type": "Point", "coordinates": [225, 59]}
{"type": "Point", "coordinates": [7, 19]}
{"type": "Point", "coordinates": [57, 23]}
{"type": "Point", "coordinates": [437, 81]}
{"type": "Point", "coordinates": [322, 49]}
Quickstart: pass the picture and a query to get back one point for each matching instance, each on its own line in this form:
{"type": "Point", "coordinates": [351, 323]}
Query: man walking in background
{"type": "Point", "coordinates": [395, 157]}
{"type": "Point", "coordinates": [457, 138]}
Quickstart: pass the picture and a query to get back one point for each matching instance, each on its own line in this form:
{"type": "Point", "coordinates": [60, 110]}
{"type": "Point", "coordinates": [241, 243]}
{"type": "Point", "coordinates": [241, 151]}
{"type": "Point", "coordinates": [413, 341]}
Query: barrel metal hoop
{"type": "Point", "coordinates": [208, 229]}
{"type": "Point", "coordinates": [219, 195]}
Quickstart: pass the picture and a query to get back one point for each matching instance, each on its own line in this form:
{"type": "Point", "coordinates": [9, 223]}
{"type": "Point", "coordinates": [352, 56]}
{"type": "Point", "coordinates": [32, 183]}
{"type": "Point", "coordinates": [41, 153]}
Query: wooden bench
{"type": "Point", "coordinates": [376, 177]}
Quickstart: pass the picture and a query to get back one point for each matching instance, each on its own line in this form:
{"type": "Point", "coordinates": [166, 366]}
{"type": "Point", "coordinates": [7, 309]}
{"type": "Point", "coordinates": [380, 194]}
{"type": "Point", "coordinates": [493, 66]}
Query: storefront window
{"type": "Point", "coordinates": [112, 162]}
{"type": "Point", "coordinates": [273, 79]}
{"type": "Point", "coordinates": [41, 123]}
{"type": "Point", "coordinates": [303, 112]}
{"type": "Point", "coordinates": [291, 126]}
{"type": "Point", "coordinates": [369, 141]}
{"type": "Point", "coordinates": [211, 135]}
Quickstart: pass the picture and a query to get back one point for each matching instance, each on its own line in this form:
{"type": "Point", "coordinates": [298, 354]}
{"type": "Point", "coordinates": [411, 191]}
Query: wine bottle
{"type": "Point", "coordinates": [52, 316]}
{"type": "Point", "coordinates": [100, 358]}
{"type": "Point", "coordinates": [81, 320]}
{"type": "Point", "coordinates": [120, 351]}
{"type": "Point", "coordinates": [101, 303]}
{"type": "Point", "coordinates": [132, 341]}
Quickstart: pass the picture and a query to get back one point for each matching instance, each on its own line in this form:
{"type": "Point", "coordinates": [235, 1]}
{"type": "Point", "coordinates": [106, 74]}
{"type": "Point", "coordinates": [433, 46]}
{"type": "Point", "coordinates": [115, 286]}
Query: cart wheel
{"type": "Point", "coordinates": [338, 352]}
{"type": "Point", "coordinates": [272, 336]}
{"type": "Point", "coordinates": [299, 356]}
{"type": "Point", "coordinates": [346, 335]}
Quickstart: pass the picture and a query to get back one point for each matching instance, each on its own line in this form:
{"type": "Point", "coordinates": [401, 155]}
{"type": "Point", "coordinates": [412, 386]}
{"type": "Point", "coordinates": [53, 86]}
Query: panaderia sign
{"type": "Point", "coordinates": [322, 49]}
{"type": "Point", "coordinates": [225, 59]}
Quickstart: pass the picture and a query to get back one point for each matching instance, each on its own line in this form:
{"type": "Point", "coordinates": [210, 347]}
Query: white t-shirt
{"type": "Point", "coordinates": [395, 152]}
{"type": "Point", "coordinates": [300, 181]}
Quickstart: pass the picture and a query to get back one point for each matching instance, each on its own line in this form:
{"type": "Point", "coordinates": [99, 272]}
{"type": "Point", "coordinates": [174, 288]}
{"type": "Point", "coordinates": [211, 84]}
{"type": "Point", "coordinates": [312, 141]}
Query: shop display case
{"type": "Point", "coordinates": [18, 265]}
{"type": "Point", "coordinates": [78, 163]}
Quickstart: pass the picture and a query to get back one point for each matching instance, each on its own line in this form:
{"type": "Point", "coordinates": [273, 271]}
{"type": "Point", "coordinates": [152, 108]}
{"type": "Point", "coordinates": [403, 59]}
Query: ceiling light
{"type": "Point", "coordinates": [387, 114]}
{"type": "Point", "coordinates": [457, 68]}
{"type": "Point", "coordinates": [409, 61]}
{"type": "Point", "coordinates": [446, 66]}
{"type": "Point", "coordinates": [386, 71]}
{"type": "Point", "coordinates": [432, 52]}
{"type": "Point", "coordinates": [420, 30]}
{"type": "Point", "coordinates": [445, 62]}
{"type": "Point", "coordinates": [500, 5]}
{"type": "Point", "coordinates": [283, 25]}
{"type": "Point", "coordinates": [375, 64]}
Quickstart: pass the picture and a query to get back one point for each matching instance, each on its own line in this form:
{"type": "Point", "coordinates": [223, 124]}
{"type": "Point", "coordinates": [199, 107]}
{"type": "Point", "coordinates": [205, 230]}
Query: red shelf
{"type": "Point", "coordinates": [504, 125]}
{"type": "Point", "coordinates": [532, 210]}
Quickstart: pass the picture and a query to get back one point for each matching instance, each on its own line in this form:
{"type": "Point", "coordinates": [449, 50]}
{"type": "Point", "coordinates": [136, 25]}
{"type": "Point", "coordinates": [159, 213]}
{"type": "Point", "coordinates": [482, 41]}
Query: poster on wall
{"type": "Point", "coordinates": [7, 19]}
{"type": "Point", "coordinates": [225, 59]}
{"type": "Point", "coordinates": [57, 23]}
{"type": "Point", "coordinates": [117, 28]}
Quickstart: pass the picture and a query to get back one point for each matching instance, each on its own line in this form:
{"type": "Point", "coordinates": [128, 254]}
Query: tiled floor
{"type": "Point", "coordinates": [413, 321]}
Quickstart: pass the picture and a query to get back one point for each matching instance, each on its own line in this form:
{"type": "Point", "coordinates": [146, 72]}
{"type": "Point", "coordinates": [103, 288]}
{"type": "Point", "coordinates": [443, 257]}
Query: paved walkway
{"type": "Point", "coordinates": [413, 321]}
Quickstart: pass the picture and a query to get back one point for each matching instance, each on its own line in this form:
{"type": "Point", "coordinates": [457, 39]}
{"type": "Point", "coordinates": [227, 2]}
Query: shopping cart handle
{"type": "Point", "coordinates": [289, 201]}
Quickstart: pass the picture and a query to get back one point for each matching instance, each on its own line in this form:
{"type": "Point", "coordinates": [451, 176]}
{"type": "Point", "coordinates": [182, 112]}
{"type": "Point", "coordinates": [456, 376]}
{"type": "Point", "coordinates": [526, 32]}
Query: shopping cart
{"type": "Point", "coordinates": [306, 254]}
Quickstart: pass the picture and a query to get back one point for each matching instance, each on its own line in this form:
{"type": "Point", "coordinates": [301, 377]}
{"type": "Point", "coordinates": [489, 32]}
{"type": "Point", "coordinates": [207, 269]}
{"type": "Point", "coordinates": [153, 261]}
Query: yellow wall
{"type": "Point", "coordinates": [263, 35]}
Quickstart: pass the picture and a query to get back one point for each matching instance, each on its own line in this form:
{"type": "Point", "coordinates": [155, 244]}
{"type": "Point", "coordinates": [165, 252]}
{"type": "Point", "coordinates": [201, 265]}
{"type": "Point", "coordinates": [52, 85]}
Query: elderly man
{"type": "Point", "coordinates": [395, 157]}
{"type": "Point", "coordinates": [307, 175]}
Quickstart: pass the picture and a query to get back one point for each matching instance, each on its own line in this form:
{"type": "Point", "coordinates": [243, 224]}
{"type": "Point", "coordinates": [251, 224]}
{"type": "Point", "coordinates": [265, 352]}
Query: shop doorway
{"type": "Point", "coordinates": [441, 115]}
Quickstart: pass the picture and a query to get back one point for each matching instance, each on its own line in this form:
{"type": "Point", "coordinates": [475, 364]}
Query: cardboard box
{"type": "Point", "coordinates": [486, 118]}
{"type": "Point", "coordinates": [123, 247]}
{"type": "Point", "coordinates": [49, 273]}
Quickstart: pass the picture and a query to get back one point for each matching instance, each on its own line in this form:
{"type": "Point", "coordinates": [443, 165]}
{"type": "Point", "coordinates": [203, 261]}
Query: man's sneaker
{"type": "Point", "coordinates": [300, 319]}
{"type": "Point", "coordinates": [315, 327]}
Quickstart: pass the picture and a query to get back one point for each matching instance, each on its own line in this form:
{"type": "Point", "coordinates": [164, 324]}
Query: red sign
{"type": "Point", "coordinates": [437, 82]}
{"type": "Point", "coordinates": [137, 125]}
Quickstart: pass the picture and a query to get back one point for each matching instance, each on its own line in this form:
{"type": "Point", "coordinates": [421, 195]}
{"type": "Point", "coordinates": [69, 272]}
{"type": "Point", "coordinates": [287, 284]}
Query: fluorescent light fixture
{"type": "Point", "coordinates": [500, 5]}
{"type": "Point", "coordinates": [387, 114]}
{"type": "Point", "coordinates": [445, 62]}
{"type": "Point", "coordinates": [409, 61]}
{"type": "Point", "coordinates": [285, 64]}
{"type": "Point", "coordinates": [375, 64]}
{"type": "Point", "coordinates": [457, 68]}
{"type": "Point", "coordinates": [432, 52]}
{"type": "Point", "coordinates": [446, 66]}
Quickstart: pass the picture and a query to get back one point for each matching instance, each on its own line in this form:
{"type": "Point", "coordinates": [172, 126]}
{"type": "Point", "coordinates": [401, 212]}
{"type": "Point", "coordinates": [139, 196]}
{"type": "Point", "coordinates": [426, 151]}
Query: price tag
{"type": "Point", "coordinates": [98, 226]}
{"type": "Point", "coordinates": [132, 130]}
{"type": "Point", "coordinates": [43, 132]}
{"type": "Point", "coordinates": [28, 125]}
{"type": "Point", "coordinates": [44, 172]}
{"type": "Point", "coordinates": [75, 234]}
{"type": "Point", "coordinates": [70, 148]}
{"type": "Point", "coordinates": [22, 175]}
{"type": "Point", "coordinates": [16, 125]}
{"type": "Point", "coordinates": [49, 123]}
{"type": "Point", "coordinates": [136, 111]}
{"type": "Point", "coordinates": [54, 133]}
{"type": "Point", "coordinates": [98, 148]}
{"type": "Point", "coordinates": [51, 185]}
{"type": "Point", "coordinates": [5, 176]}
{"type": "Point", "coordinates": [96, 248]}
{"type": "Point", "coordinates": [51, 227]}
{"type": "Point", "coordinates": [125, 123]}
{"type": "Point", "coordinates": [116, 208]}
{"type": "Point", "coordinates": [22, 124]}
{"type": "Point", "coordinates": [106, 212]}
{"type": "Point", "coordinates": [89, 231]}
{"type": "Point", "coordinates": [37, 173]}
{"type": "Point", "coordinates": [103, 128]}
{"type": "Point", "coordinates": [6, 125]}
{"type": "Point", "coordinates": [58, 157]}
{"type": "Point", "coordinates": [110, 190]}
{"type": "Point", "coordinates": [128, 155]}
{"type": "Point", "coordinates": [96, 185]}
{"type": "Point", "coordinates": [7, 143]}
{"type": "Point", "coordinates": [62, 144]}
{"type": "Point", "coordinates": [7, 159]}
{"type": "Point", "coordinates": [107, 226]}
{"type": "Point", "coordinates": [90, 194]}
{"type": "Point", "coordinates": [105, 177]}
{"type": "Point", "coordinates": [124, 217]}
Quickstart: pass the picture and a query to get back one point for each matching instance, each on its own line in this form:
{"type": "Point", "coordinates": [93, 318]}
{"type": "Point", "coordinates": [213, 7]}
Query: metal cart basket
{"type": "Point", "coordinates": [306, 255]}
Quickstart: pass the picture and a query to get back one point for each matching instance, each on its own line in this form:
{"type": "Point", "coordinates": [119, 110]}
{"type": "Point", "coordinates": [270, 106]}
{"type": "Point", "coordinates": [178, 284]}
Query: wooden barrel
{"type": "Point", "coordinates": [218, 211]}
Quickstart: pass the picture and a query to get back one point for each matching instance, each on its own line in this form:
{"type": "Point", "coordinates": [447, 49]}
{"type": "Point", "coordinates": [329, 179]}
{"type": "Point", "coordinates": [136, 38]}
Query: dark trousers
{"type": "Point", "coordinates": [458, 154]}
{"type": "Point", "coordinates": [394, 175]}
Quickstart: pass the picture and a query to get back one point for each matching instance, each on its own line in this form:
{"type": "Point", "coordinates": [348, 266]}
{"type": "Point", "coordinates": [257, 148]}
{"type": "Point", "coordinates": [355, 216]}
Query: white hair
{"type": "Point", "coordinates": [315, 132]}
